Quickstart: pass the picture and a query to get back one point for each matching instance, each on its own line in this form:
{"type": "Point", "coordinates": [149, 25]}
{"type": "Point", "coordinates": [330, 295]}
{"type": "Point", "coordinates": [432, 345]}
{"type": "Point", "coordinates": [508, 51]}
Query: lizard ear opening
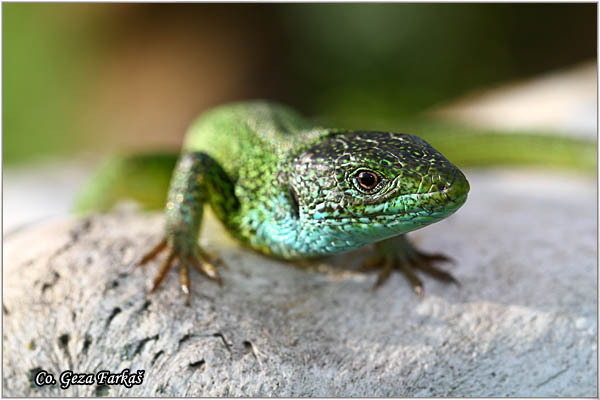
{"type": "Point", "coordinates": [295, 205]}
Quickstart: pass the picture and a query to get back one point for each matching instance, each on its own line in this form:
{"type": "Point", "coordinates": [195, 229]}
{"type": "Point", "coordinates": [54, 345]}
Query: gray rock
{"type": "Point", "coordinates": [523, 323]}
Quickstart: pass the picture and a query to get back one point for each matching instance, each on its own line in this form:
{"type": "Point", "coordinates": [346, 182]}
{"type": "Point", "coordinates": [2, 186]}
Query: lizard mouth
{"type": "Point", "coordinates": [436, 211]}
{"type": "Point", "coordinates": [439, 203]}
{"type": "Point", "coordinates": [433, 208]}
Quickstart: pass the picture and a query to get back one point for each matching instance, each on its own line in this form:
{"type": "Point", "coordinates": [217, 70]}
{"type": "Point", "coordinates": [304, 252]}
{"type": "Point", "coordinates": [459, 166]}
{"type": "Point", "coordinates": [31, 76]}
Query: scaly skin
{"type": "Point", "coordinates": [294, 192]}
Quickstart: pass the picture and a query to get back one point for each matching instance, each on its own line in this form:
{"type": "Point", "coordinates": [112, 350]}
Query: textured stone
{"type": "Point", "coordinates": [523, 323]}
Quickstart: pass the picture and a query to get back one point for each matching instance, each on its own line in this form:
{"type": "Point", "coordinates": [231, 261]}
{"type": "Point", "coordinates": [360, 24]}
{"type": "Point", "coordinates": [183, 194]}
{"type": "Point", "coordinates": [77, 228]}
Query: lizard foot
{"type": "Point", "coordinates": [199, 259]}
{"type": "Point", "coordinates": [398, 254]}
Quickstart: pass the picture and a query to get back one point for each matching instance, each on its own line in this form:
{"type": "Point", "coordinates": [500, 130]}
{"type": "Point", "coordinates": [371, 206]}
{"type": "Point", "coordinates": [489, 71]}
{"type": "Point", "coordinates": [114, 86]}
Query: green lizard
{"type": "Point", "coordinates": [294, 191]}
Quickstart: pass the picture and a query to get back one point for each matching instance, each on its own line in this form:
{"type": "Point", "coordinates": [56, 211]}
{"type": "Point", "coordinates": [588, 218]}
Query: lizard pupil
{"type": "Point", "coordinates": [367, 180]}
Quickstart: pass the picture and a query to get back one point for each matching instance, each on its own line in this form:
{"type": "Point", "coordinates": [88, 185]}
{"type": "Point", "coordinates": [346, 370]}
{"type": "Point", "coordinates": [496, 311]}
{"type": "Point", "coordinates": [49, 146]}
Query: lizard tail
{"type": "Point", "coordinates": [143, 178]}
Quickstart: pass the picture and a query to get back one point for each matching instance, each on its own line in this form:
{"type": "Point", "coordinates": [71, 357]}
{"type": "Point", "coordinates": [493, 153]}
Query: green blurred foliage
{"type": "Point", "coordinates": [47, 59]}
{"type": "Point", "coordinates": [361, 65]}
{"type": "Point", "coordinates": [384, 61]}
{"type": "Point", "coordinates": [113, 182]}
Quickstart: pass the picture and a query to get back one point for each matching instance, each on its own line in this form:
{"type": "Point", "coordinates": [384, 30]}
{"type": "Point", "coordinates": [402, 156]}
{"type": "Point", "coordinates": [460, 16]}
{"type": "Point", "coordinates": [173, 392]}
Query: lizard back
{"type": "Point", "coordinates": [244, 136]}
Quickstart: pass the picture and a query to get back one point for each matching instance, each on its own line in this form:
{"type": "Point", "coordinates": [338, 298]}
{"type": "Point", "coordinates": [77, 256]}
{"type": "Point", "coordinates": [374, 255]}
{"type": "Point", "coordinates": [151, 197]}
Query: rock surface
{"type": "Point", "coordinates": [523, 323]}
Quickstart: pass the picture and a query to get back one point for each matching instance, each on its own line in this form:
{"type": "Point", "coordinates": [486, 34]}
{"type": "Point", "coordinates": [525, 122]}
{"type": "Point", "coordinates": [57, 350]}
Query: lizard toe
{"type": "Point", "coordinates": [206, 266]}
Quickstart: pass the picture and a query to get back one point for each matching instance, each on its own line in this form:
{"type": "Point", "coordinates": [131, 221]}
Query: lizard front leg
{"type": "Point", "coordinates": [197, 179]}
{"type": "Point", "coordinates": [399, 254]}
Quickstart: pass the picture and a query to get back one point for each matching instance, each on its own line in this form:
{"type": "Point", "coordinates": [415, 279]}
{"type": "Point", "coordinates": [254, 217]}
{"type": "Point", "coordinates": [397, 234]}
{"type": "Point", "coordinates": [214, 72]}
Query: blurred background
{"type": "Point", "coordinates": [81, 81]}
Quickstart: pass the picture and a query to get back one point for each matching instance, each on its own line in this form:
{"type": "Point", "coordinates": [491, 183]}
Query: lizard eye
{"type": "Point", "coordinates": [367, 179]}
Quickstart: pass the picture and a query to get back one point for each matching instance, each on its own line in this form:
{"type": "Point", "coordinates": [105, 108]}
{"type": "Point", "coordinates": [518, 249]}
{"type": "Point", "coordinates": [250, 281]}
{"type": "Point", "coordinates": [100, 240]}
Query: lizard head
{"type": "Point", "coordinates": [356, 188]}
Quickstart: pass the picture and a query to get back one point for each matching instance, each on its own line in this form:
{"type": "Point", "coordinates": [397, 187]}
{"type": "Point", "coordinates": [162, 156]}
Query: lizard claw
{"type": "Point", "coordinates": [160, 246]}
{"type": "Point", "coordinates": [206, 265]}
{"type": "Point", "coordinates": [201, 260]}
{"type": "Point", "coordinates": [162, 272]}
{"type": "Point", "coordinates": [398, 254]}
